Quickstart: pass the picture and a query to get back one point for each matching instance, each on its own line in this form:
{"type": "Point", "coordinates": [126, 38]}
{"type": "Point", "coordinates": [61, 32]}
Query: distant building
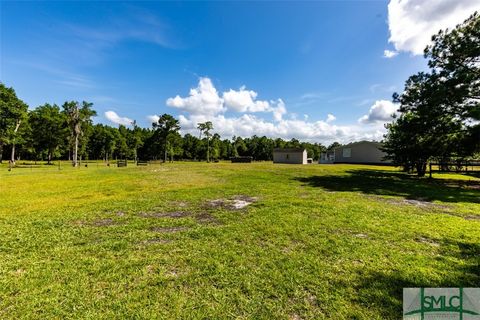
{"type": "Point", "coordinates": [327, 157]}
{"type": "Point", "coordinates": [362, 152]}
{"type": "Point", "coordinates": [290, 155]}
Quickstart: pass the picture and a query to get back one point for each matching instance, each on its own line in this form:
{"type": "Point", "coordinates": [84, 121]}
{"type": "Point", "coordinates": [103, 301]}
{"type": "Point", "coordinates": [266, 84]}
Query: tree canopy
{"type": "Point", "coordinates": [439, 110]}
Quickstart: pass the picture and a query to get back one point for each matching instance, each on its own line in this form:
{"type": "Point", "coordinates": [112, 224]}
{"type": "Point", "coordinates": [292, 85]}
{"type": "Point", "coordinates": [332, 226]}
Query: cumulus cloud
{"type": "Point", "coordinates": [381, 111]}
{"type": "Point", "coordinates": [153, 118]}
{"type": "Point", "coordinates": [112, 116]}
{"type": "Point", "coordinates": [203, 99]}
{"type": "Point", "coordinates": [413, 22]}
{"type": "Point", "coordinates": [247, 125]}
{"type": "Point", "coordinates": [331, 117]}
{"type": "Point", "coordinates": [244, 100]}
{"type": "Point", "coordinates": [205, 104]}
{"type": "Point", "coordinates": [279, 110]}
{"type": "Point", "coordinates": [389, 53]}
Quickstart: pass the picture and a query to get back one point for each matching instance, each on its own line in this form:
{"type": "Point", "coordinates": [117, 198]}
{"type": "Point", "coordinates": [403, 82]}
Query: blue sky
{"type": "Point", "coordinates": [129, 58]}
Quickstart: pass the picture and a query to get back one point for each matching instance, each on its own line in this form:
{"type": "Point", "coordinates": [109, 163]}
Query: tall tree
{"type": "Point", "coordinates": [13, 112]}
{"type": "Point", "coordinates": [455, 57]}
{"type": "Point", "coordinates": [78, 120]}
{"type": "Point", "coordinates": [205, 128]}
{"type": "Point", "coordinates": [135, 139]}
{"type": "Point", "coordinates": [165, 126]}
{"type": "Point", "coordinates": [437, 108]}
{"type": "Point", "coordinates": [48, 129]}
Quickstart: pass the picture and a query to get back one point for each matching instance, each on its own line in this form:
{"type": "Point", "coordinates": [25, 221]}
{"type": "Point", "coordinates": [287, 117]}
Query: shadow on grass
{"type": "Point", "coordinates": [377, 182]}
{"type": "Point", "coordinates": [384, 291]}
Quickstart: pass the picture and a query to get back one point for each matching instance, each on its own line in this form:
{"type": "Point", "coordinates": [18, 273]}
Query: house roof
{"type": "Point", "coordinates": [360, 142]}
{"type": "Point", "coordinates": [288, 150]}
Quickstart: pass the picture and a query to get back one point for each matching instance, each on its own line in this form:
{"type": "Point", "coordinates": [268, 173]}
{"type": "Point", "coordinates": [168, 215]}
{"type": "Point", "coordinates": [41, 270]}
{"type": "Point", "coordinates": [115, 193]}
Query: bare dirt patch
{"type": "Point", "coordinates": [419, 202]}
{"type": "Point", "coordinates": [428, 241]}
{"type": "Point", "coordinates": [472, 217]}
{"type": "Point", "coordinates": [179, 204]}
{"type": "Point", "coordinates": [96, 223]}
{"type": "Point", "coordinates": [207, 218]}
{"type": "Point", "coordinates": [103, 222]}
{"type": "Point", "coordinates": [168, 229]}
{"type": "Point", "coordinates": [361, 235]}
{"type": "Point", "coordinates": [234, 203]}
{"type": "Point", "coordinates": [175, 214]}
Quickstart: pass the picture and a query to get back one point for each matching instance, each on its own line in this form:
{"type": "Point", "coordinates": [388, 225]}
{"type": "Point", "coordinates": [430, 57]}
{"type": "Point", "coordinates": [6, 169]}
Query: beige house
{"type": "Point", "coordinates": [362, 152]}
{"type": "Point", "coordinates": [290, 155]}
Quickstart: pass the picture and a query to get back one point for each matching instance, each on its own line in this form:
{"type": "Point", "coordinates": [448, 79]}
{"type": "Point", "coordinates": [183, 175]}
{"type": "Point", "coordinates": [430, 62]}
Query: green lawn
{"type": "Point", "coordinates": [319, 241]}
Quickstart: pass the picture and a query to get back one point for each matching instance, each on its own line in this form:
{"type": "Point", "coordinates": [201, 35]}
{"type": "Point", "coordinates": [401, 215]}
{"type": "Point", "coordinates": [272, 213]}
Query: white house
{"type": "Point", "coordinates": [290, 155]}
{"type": "Point", "coordinates": [362, 152]}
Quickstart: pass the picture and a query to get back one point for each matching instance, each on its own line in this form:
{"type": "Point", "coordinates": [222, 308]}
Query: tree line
{"type": "Point", "coordinates": [67, 132]}
{"type": "Point", "coordinates": [439, 113]}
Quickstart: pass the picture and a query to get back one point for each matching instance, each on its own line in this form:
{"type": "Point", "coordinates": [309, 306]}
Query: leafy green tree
{"type": "Point", "coordinates": [437, 108]}
{"type": "Point", "coordinates": [239, 147]}
{"type": "Point", "coordinates": [174, 145]}
{"type": "Point", "coordinates": [48, 129]}
{"type": "Point", "coordinates": [455, 57]}
{"type": "Point", "coordinates": [333, 146]}
{"type": "Point", "coordinates": [423, 131]}
{"type": "Point", "coordinates": [13, 112]}
{"type": "Point", "coordinates": [135, 139]}
{"type": "Point", "coordinates": [122, 150]}
{"type": "Point", "coordinates": [165, 127]}
{"type": "Point", "coordinates": [205, 128]}
{"type": "Point", "coordinates": [79, 121]}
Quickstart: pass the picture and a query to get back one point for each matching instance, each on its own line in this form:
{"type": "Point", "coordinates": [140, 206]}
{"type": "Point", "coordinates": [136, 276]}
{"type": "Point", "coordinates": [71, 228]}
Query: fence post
{"type": "Point", "coordinates": [430, 167]}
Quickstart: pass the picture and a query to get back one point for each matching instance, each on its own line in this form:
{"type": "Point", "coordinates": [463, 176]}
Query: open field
{"type": "Point", "coordinates": [166, 241]}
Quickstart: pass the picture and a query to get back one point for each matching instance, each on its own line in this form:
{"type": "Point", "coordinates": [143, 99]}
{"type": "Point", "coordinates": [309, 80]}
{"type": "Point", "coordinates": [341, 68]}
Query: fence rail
{"type": "Point", "coordinates": [458, 166]}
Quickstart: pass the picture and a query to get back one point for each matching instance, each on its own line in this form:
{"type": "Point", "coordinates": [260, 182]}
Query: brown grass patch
{"type": "Point", "coordinates": [428, 241]}
{"type": "Point", "coordinates": [207, 218]}
{"type": "Point", "coordinates": [175, 214]}
{"type": "Point", "coordinates": [168, 229]}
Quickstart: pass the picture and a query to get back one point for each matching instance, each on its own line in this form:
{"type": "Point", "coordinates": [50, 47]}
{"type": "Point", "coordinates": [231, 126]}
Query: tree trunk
{"type": "Point", "coordinates": [1, 152]}
{"type": "Point", "coordinates": [208, 150]}
{"type": "Point", "coordinates": [421, 168]}
{"type": "Point", "coordinates": [75, 152]}
{"type": "Point", "coordinates": [13, 153]}
{"type": "Point", "coordinates": [49, 157]}
{"type": "Point", "coordinates": [13, 144]}
{"type": "Point", "coordinates": [165, 153]}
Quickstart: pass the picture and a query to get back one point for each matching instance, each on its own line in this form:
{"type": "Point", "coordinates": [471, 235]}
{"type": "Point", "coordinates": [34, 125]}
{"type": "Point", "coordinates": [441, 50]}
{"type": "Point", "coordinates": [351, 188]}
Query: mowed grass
{"type": "Point", "coordinates": [318, 242]}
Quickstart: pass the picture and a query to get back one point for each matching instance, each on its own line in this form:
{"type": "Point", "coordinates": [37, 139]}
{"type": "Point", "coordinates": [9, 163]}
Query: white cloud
{"type": "Point", "coordinates": [153, 118]}
{"type": "Point", "coordinates": [413, 22]}
{"type": "Point", "coordinates": [244, 101]}
{"type": "Point", "coordinates": [315, 131]}
{"type": "Point", "coordinates": [203, 99]}
{"type": "Point", "coordinates": [115, 118]}
{"type": "Point", "coordinates": [200, 109]}
{"type": "Point", "coordinates": [279, 110]}
{"type": "Point", "coordinates": [381, 111]}
{"type": "Point", "coordinates": [389, 53]}
{"type": "Point", "coordinates": [331, 117]}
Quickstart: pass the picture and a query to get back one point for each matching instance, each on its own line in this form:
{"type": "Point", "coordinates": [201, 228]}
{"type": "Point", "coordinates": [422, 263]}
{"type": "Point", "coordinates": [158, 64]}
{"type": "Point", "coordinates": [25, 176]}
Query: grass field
{"type": "Point", "coordinates": [317, 241]}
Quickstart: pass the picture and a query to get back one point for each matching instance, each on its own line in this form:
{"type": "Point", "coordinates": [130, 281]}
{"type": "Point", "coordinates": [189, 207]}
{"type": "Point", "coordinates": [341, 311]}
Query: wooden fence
{"type": "Point", "coordinates": [458, 166]}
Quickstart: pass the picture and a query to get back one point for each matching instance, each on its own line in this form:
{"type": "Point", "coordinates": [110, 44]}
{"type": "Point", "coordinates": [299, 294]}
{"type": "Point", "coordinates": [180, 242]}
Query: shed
{"type": "Point", "coordinates": [290, 155]}
{"type": "Point", "coordinates": [362, 152]}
